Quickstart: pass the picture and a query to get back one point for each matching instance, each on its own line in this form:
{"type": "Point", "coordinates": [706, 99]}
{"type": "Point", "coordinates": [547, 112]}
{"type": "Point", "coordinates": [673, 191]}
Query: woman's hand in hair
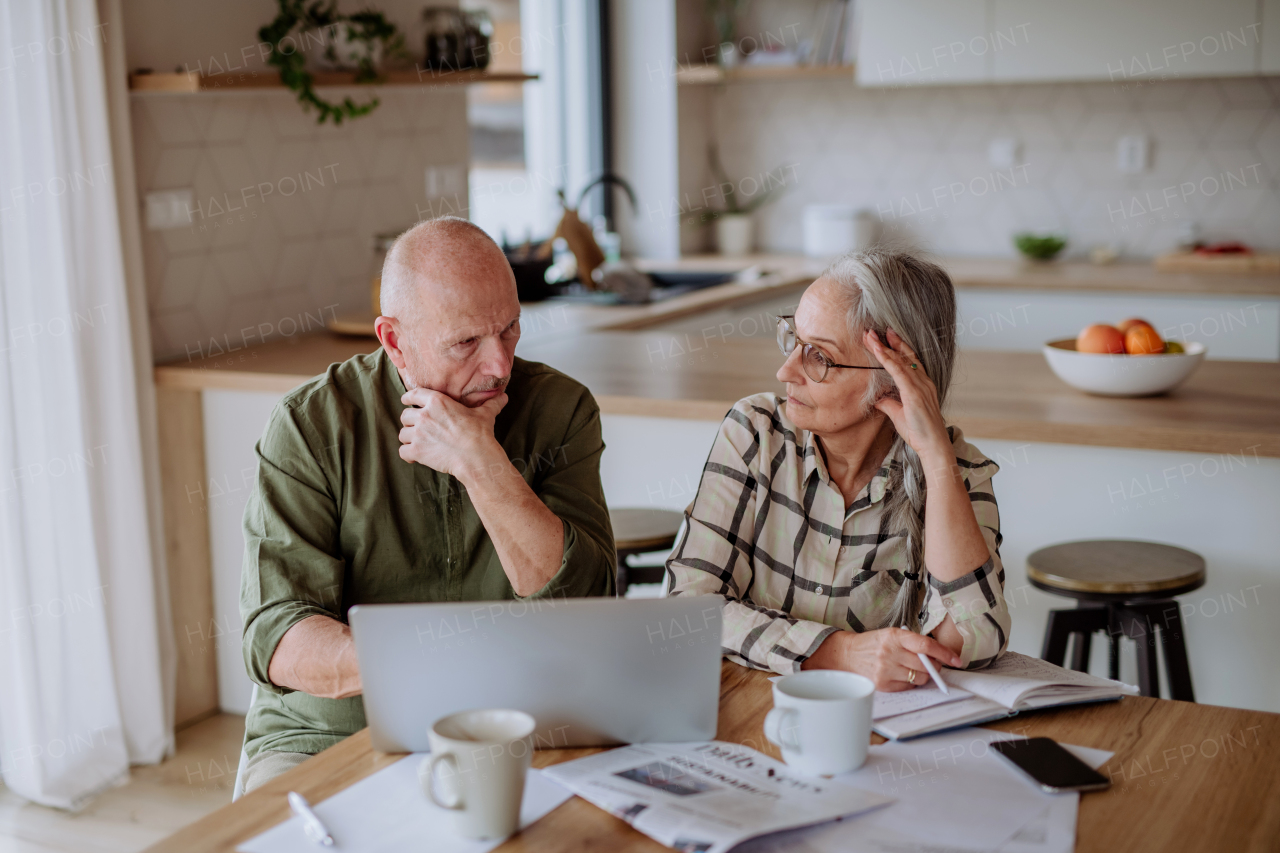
{"type": "Point", "coordinates": [916, 414]}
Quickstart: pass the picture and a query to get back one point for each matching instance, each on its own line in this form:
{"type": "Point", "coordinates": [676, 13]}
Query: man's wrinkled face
{"type": "Point", "coordinates": [461, 338]}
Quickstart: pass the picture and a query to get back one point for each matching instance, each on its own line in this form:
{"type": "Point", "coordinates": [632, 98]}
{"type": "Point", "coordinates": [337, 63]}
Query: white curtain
{"type": "Point", "coordinates": [82, 637]}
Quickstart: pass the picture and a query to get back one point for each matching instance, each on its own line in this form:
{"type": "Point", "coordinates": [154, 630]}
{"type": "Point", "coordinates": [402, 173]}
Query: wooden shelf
{"type": "Point", "coordinates": [703, 75]}
{"type": "Point", "coordinates": [192, 82]}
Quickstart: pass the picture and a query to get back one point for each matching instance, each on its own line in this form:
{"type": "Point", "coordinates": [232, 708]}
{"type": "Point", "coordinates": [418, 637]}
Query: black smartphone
{"type": "Point", "coordinates": [1051, 767]}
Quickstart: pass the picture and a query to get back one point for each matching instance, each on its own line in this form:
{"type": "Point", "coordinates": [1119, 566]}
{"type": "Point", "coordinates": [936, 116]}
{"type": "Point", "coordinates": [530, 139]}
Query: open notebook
{"type": "Point", "coordinates": [1012, 684]}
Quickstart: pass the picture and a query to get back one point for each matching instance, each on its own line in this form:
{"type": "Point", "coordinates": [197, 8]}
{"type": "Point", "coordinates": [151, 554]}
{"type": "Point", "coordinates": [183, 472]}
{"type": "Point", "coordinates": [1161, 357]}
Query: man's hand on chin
{"type": "Point", "coordinates": [446, 435]}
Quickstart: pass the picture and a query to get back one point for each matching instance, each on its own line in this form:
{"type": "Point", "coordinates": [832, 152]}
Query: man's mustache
{"type": "Point", "coordinates": [495, 383]}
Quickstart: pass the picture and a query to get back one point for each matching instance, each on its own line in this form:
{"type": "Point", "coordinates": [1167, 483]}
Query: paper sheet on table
{"type": "Point", "coordinates": [389, 812]}
{"type": "Point", "coordinates": [953, 794]}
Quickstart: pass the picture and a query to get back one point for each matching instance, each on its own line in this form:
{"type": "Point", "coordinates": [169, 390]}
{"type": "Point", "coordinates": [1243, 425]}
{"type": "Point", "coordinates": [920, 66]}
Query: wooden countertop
{"type": "Point", "coordinates": [1018, 274]}
{"type": "Point", "coordinates": [1224, 792]}
{"type": "Point", "coordinates": [1225, 407]}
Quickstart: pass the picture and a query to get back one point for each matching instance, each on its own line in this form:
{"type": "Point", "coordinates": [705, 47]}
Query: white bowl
{"type": "Point", "coordinates": [1122, 375]}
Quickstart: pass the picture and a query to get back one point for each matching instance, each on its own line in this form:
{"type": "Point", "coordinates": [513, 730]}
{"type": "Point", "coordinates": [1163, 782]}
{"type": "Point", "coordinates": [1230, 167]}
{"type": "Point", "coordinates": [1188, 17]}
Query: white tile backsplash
{"type": "Point", "coordinates": [918, 157]}
{"type": "Point", "coordinates": [285, 209]}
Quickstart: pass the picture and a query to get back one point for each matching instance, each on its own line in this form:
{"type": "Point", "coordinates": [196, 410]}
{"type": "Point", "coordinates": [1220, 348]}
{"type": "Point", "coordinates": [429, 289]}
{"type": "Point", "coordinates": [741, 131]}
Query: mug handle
{"type": "Point", "coordinates": [780, 720]}
{"type": "Point", "coordinates": [430, 785]}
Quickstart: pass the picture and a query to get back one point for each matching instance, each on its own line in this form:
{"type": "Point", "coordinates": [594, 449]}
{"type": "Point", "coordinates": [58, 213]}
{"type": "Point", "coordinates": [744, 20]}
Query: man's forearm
{"type": "Point", "coordinates": [317, 656]}
{"type": "Point", "coordinates": [528, 537]}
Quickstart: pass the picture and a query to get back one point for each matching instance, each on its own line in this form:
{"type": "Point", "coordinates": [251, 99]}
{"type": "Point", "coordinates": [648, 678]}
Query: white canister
{"type": "Point", "coordinates": [833, 229]}
{"type": "Point", "coordinates": [734, 235]}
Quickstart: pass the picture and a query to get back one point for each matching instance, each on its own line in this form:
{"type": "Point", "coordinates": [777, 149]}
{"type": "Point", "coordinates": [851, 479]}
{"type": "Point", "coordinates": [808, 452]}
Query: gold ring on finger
{"type": "Point", "coordinates": [914, 366]}
{"type": "Point", "coordinates": [911, 676]}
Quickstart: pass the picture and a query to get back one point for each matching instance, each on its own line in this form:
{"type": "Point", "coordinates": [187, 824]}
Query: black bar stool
{"type": "Point", "coordinates": [1122, 586]}
{"type": "Point", "coordinates": [638, 531]}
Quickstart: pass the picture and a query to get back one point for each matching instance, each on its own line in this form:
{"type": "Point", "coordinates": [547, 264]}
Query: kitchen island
{"type": "Point", "coordinates": [1073, 465]}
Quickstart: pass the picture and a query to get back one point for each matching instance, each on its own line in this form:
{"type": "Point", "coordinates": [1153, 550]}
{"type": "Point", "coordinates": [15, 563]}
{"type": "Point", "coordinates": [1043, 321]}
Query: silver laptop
{"type": "Point", "coordinates": [591, 671]}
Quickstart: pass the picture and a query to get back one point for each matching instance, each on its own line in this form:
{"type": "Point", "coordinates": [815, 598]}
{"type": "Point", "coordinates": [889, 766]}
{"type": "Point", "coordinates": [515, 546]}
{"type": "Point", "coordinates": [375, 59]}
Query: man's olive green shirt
{"type": "Point", "coordinates": [337, 518]}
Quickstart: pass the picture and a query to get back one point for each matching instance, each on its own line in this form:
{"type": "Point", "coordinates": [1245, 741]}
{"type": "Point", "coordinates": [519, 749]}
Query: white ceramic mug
{"type": "Point", "coordinates": [483, 757]}
{"type": "Point", "coordinates": [821, 720]}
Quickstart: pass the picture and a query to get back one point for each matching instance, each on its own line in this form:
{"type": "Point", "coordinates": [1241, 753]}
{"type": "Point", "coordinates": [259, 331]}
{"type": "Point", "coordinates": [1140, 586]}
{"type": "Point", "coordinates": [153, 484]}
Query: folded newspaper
{"type": "Point", "coordinates": [707, 797]}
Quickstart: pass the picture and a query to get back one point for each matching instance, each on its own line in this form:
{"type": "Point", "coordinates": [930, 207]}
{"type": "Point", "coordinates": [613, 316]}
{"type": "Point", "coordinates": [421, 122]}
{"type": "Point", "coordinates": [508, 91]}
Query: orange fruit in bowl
{"type": "Point", "coordinates": [1126, 325]}
{"type": "Point", "coordinates": [1141, 339]}
{"type": "Point", "coordinates": [1101, 338]}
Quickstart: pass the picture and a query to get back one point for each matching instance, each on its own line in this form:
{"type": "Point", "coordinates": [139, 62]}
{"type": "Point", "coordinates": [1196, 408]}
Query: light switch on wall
{"type": "Point", "coordinates": [1002, 153]}
{"type": "Point", "coordinates": [1132, 154]}
{"type": "Point", "coordinates": [169, 209]}
{"type": "Point", "coordinates": [445, 181]}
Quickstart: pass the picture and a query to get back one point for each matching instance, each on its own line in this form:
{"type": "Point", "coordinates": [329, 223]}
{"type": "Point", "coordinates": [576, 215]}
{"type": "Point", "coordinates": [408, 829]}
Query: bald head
{"type": "Point", "coordinates": [435, 258]}
{"type": "Point", "coordinates": [450, 313]}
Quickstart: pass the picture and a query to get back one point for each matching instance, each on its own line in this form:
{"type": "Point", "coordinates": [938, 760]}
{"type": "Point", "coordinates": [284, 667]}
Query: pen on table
{"type": "Point", "coordinates": [928, 664]}
{"type": "Point", "coordinates": [311, 824]}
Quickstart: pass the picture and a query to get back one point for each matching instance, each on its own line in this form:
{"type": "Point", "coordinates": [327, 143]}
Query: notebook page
{"type": "Point", "coordinates": [1014, 675]}
{"type": "Point", "coordinates": [905, 701]}
{"type": "Point", "coordinates": [938, 717]}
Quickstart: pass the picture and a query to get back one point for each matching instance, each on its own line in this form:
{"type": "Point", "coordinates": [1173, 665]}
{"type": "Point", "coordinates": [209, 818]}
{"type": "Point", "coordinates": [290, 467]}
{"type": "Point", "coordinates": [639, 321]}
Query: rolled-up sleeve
{"type": "Point", "coordinates": [714, 557]}
{"type": "Point", "coordinates": [975, 602]}
{"type": "Point", "coordinates": [568, 482]}
{"type": "Point", "coordinates": [291, 565]}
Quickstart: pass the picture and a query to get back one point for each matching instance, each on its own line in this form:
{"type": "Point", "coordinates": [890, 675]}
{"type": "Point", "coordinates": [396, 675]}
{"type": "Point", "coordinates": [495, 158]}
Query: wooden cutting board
{"type": "Point", "coordinates": [352, 324]}
{"type": "Point", "coordinates": [1196, 262]}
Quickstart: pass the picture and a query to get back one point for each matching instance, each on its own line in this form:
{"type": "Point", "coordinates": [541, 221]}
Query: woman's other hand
{"type": "Point", "coordinates": [887, 656]}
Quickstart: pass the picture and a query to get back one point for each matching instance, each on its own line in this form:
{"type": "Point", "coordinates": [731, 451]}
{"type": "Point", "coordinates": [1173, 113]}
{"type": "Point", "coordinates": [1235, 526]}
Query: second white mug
{"type": "Point", "coordinates": [821, 720]}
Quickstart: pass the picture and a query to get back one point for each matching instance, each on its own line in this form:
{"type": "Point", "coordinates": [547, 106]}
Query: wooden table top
{"type": "Point", "coordinates": [1226, 407]}
{"type": "Point", "coordinates": [1184, 777]}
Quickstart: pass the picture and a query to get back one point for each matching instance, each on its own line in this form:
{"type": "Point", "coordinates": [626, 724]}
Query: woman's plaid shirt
{"type": "Point", "coordinates": [768, 530]}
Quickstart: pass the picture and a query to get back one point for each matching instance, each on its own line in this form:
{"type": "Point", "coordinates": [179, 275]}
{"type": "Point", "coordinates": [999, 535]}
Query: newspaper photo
{"type": "Point", "coordinates": [707, 797]}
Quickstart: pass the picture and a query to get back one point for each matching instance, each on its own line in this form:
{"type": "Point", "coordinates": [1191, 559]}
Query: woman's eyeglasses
{"type": "Point", "coordinates": [815, 363]}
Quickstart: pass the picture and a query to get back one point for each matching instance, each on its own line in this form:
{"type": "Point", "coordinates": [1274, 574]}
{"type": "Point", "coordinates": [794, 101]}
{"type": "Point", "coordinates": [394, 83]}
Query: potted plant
{"type": "Point", "coordinates": [358, 42]}
{"type": "Point", "coordinates": [724, 17]}
{"type": "Point", "coordinates": [735, 235]}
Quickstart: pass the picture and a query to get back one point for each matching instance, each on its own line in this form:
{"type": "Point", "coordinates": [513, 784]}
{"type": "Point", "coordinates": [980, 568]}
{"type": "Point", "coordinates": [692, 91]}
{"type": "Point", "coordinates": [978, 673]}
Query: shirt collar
{"type": "Point", "coordinates": [813, 463]}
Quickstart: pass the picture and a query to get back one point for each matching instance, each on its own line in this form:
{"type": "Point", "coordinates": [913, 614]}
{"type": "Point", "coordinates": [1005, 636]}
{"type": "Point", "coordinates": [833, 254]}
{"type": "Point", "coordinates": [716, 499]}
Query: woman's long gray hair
{"type": "Point", "coordinates": [896, 290]}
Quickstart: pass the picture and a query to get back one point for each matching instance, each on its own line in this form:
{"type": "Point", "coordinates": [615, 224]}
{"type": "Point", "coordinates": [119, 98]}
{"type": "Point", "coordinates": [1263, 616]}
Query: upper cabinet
{"type": "Point", "coordinates": [921, 42]}
{"type": "Point", "coordinates": [912, 42]}
{"type": "Point", "coordinates": [1270, 37]}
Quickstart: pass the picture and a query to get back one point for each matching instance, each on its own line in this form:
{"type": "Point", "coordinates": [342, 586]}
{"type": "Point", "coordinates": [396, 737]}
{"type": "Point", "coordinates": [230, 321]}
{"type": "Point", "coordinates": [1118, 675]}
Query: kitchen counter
{"type": "Point", "coordinates": [1225, 407]}
{"type": "Point", "coordinates": [1018, 274]}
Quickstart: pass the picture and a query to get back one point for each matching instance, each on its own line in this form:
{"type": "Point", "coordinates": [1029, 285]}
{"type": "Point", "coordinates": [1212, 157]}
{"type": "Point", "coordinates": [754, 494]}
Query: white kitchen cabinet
{"type": "Point", "coordinates": [1270, 37]}
{"type": "Point", "coordinates": [1119, 40]}
{"type": "Point", "coordinates": [931, 42]}
{"type": "Point", "coordinates": [921, 42]}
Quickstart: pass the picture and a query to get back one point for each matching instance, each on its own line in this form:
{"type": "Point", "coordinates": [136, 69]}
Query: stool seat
{"type": "Point", "coordinates": [640, 530]}
{"type": "Point", "coordinates": [637, 531]}
{"type": "Point", "coordinates": [1116, 570]}
{"type": "Point", "coordinates": [1124, 588]}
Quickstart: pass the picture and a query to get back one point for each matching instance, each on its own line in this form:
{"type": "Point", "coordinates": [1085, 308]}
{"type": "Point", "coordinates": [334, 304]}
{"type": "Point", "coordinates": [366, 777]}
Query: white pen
{"type": "Point", "coordinates": [311, 824]}
{"type": "Point", "coordinates": [928, 664]}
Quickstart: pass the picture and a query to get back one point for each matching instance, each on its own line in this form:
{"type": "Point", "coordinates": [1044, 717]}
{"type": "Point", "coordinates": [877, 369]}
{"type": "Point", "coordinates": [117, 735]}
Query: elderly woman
{"type": "Point", "coordinates": [837, 516]}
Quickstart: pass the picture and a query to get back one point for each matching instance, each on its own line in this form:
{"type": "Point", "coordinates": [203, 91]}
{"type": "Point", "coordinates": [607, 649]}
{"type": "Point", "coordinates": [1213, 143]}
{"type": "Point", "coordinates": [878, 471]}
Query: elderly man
{"type": "Point", "coordinates": [439, 468]}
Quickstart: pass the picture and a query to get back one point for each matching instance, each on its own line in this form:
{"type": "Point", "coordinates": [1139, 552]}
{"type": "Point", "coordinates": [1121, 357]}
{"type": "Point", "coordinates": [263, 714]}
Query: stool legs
{"type": "Point", "coordinates": [1081, 622]}
{"type": "Point", "coordinates": [1138, 621]}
